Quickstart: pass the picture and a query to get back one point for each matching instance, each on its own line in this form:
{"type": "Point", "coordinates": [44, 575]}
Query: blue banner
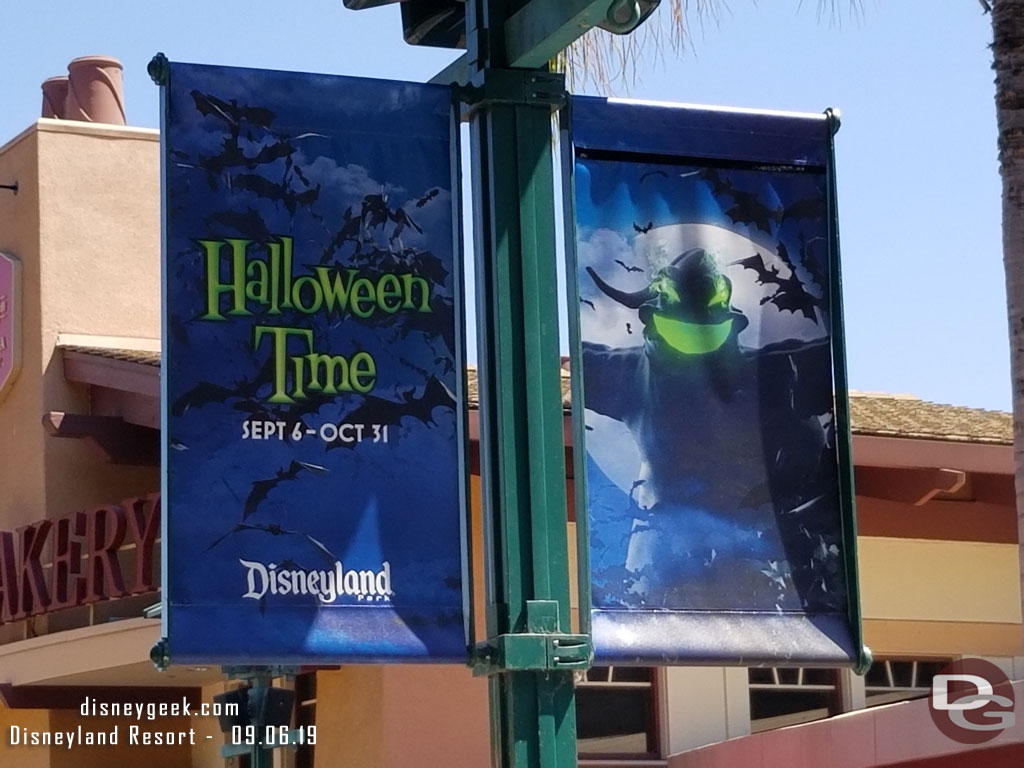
{"type": "Point", "coordinates": [719, 522]}
{"type": "Point", "coordinates": [314, 476]}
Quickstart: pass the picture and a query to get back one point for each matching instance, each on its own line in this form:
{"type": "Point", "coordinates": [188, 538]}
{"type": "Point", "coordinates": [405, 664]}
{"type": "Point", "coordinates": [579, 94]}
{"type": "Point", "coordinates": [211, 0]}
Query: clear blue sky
{"type": "Point", "coordinates": [919, 190]}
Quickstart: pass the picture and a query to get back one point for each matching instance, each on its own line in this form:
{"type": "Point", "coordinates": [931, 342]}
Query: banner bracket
{"type": "Point", "coordinates": [511, 87]}
{"type": "Point", "coordinates": [159, 69]}
{"type": "Point", "coordinates": [160, 655]}
{"type": "Point", "coordinates": [536, 652]}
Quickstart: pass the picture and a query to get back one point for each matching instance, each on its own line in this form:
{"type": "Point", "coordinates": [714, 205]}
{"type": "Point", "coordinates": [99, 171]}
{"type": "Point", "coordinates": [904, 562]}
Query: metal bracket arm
{"type": "Point", "coordinates": [510, 87]}
{"type": "Point", "coordinates": [533, 652]}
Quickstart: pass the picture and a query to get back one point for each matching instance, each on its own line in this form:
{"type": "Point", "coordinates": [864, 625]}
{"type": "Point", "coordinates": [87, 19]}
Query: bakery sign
{"type": "Point", "coordinates": [100, 553]}
{"type": "Point", "coordinates": [10, 321]}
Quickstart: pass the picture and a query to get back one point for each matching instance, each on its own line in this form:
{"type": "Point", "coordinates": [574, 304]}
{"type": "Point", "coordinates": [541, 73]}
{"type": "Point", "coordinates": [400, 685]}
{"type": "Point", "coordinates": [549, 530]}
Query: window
{"type": "Point", "coordinates": [616, 713]}
{"type": "Point", "coordinates": [781, 696]}
{"type": "Point", "coordinates": [891, 680]}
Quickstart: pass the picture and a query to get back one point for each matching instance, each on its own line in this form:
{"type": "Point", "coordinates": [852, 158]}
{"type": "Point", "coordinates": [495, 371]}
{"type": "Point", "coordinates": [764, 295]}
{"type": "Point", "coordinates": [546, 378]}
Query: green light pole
{"type": "Point", "coordinates": [533, 718]}
{"type": "Point", "coordinates": [508, 96]}
{"type": "Point", "coordinates": [530, 654]}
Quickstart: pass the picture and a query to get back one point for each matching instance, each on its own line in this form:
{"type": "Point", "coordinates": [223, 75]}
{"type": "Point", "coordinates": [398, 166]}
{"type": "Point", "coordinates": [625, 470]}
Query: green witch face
{"type": "Point", "coordinates": [686, 307]}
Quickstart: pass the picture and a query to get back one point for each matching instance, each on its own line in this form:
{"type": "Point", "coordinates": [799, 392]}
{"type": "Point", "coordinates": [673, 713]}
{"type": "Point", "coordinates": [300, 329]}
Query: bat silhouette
{"type": "Point", "coordinates": [271, 190]}
{"type": "Point", "coordinates": [790, 294]}
{"type": "Point", "coordinates": [349, 230]}
{"type": "Point", "coordinates": [643, 230]}
{"type": "Point", "coordinates": [247, 223]}
{"type": "Point", "coordinates": [428, 197]}
{"type": "Point", "coordinates": [203, 393]}
{"type": "Point", "coordinates": [375, 210]}
{"type": "Point", "coordinates": [206, 392]}
{"type": "Point", "coordinates": [812, 208]}
{"type": "Point", "coordinates": [300, 174]}
{"type": "Point", "coordinates": [276, 530]}
{"type": "Point", "coordinates": [625, 266]}
{"type": "Point", "coordinates": [747, 209]}
{"type": "Point", "coordinates": [262, 488]}
{"type": "Point", "coordinates": [231, 112]}
{"type": "Point", "coordinates": [765, 274]}
{"type": "Point", "coordinates": [412, 366]}
{"type": "Point", "coordinates": [433, 323]}
{"type": "Point", "coordinates": [271, 152]}
{"type": "Point", "coordinates": [232, 156]}
{"type": "Point", "coordinates": [811, 263]}
{"type": "Point", "coordinates": [402, 220]}
{"type": "Point", "coordinates": [430, 268]}
{"type": "Point", "coordinates": [351, 226]}
{"type": "Point", "coordinates": [379, 410]}
{"type": "Point", "coordinates": [257, 410]}
{"type": "Point", "coordinates": [719, 186]}
{"type": "Point", "coordinates": [643, 176]}
{"type": "Point", "coordinates": [382, 411]}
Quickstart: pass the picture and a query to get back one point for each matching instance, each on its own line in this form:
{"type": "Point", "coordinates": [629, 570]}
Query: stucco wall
{"type": "Point", "coordinates": [85, 225]}
{"type": "Point", "coordinates": [21, 470]}
{"type": "Point", "coordinates": [209, 739]}
{"type": "Point", "coordinates": [19, 755]}
{"type": "Point", "coordinates": [402, 715]}
{"type": "Point", "coordinates": [151, 755]}
{"type": "Point", "coordinates": [349, 712]}
{"type": "Point", "coordinates": [923, 597]}
{"type": "Point", "coordinates": [435, 715]}
{"type": "Point", "coordinates": [99, 252]}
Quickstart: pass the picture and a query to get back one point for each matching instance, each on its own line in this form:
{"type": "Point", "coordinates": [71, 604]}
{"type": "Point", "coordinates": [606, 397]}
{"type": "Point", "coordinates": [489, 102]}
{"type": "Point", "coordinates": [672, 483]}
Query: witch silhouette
{"type": "Point", "coordinates": [736, 446]}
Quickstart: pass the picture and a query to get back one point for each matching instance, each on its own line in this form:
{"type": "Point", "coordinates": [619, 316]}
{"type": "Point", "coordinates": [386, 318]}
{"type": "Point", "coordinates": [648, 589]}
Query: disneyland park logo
{"type": "Point", "coordinates": [326, 585]}
{"type": "Point", "coordinates": [972, 701]}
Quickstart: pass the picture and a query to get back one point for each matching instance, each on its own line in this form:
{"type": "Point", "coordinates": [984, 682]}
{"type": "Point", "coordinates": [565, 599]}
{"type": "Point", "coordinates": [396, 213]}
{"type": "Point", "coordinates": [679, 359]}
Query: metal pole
{"type": "Point", "coordinates": [259, 755]}
{"type": "Point", "coordinates": [530, 654]}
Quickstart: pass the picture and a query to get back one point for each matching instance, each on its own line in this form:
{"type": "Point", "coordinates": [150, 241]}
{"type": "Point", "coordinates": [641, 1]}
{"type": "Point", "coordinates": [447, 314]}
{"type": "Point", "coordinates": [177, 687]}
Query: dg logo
{"type": "Point", "coordinates": [972, 701]}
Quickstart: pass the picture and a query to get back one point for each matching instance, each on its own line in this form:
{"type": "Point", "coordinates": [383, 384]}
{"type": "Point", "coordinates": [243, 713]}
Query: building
{"type": "Point", "coordinates": [79, 556]}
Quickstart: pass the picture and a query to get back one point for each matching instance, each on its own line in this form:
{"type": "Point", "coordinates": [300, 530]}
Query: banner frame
{"type": "Point", "coordinates": [861, 659]}
{"type": "Point", "coordinates": [161, 70]}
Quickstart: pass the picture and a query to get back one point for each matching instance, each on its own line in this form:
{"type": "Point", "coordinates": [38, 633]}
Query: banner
{"type": "Point", "coordinates": [719, 516]}
{"type": "Point", "coordinates": [313, 370]}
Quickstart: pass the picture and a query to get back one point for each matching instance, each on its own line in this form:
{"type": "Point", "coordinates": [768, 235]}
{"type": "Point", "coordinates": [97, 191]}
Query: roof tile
{"type": "Point", "coordinates": [870, 413]}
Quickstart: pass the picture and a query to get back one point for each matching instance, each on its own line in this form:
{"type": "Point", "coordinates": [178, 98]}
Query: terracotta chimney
{"type": "Point", "coordinates": [95, 90]}
{"type": "Point", "coordinates": [55, 93]}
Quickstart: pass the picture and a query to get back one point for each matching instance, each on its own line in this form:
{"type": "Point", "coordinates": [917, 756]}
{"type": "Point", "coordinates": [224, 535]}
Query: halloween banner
{"type": "Point", "coordinates": [719, 520]}
{"type": "Point", "coordinates": [313, 370]}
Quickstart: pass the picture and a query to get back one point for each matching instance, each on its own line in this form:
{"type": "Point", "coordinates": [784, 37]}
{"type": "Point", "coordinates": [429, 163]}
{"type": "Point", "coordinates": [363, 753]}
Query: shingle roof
{"type": "Point", "coordinates": [887, 415]}
{"type": "Point", "coordinates": [473, 392]}
{"type": "Point", "coordinates": [871, 413]}
{"type": "Point", "coordinates": [903, 416]}
{"type": "Point", "coordinates": [127, 355]}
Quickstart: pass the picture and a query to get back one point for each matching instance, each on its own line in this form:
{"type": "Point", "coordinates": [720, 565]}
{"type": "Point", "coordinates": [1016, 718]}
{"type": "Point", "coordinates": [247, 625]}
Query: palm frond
{"type": "Point", "coordinates": [609, 62]}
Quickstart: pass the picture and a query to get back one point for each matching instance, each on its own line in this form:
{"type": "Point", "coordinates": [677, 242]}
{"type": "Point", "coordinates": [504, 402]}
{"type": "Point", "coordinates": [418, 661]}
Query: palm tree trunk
{"type": "Point", "coordinates": [1008, 62]}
